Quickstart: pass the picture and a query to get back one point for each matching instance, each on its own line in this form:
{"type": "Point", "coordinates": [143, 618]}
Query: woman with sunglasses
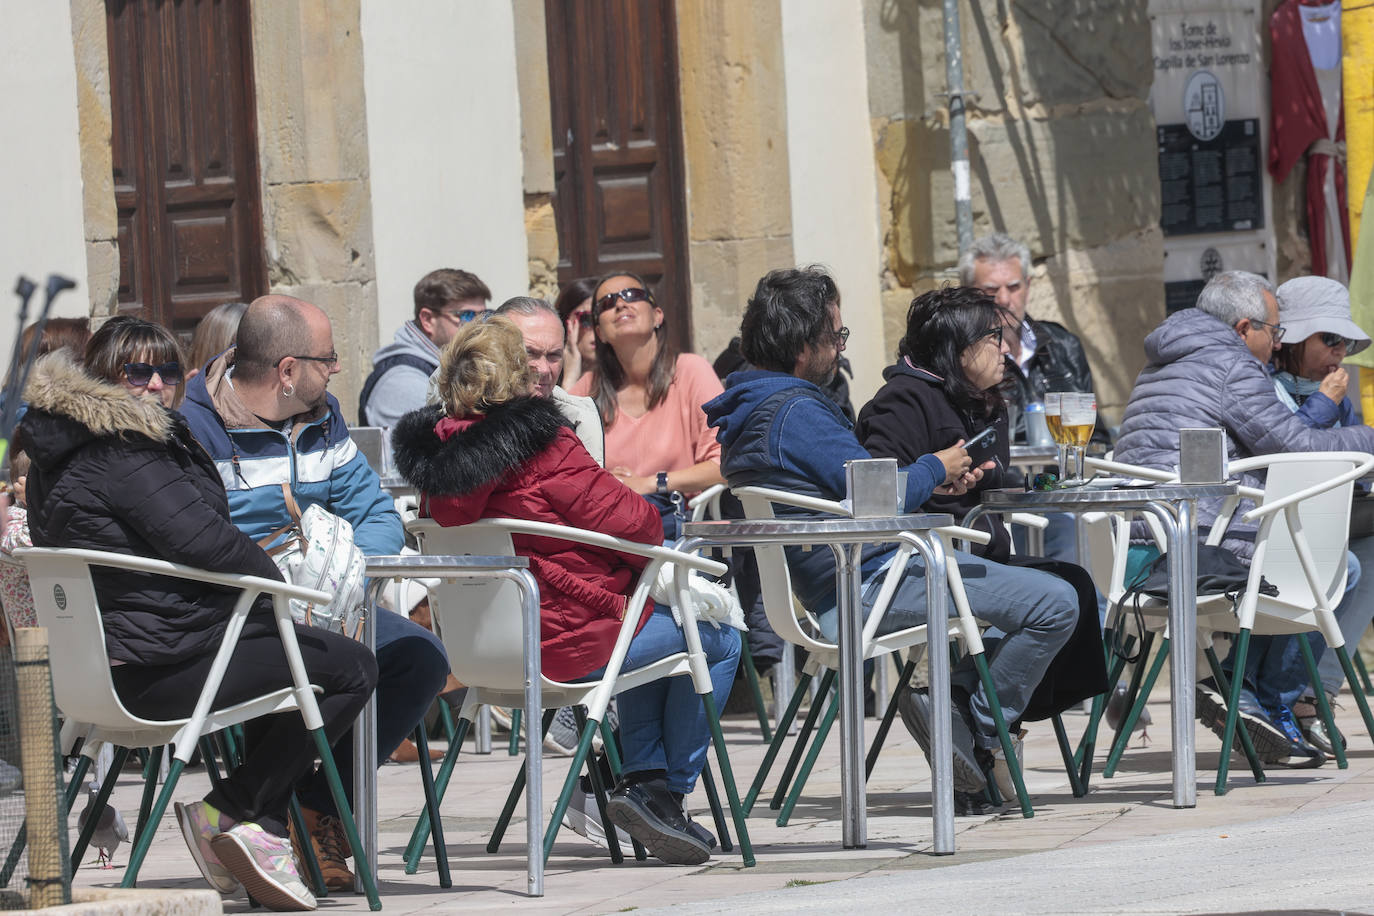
{"type": "Point", "coordinates": [114, 468]}
{"type": "Point", "coordinates": [574, 306]}
{"type": "Point", "coordinates": [1318, 335]}
{"type": "Point", "coordinates": [650, 397]}
{"type": "Point", "coordinates": [945, 387]}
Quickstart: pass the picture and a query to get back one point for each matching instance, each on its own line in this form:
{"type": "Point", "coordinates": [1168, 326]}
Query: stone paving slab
{"type": "Point", "coordinates": [1301, 840]}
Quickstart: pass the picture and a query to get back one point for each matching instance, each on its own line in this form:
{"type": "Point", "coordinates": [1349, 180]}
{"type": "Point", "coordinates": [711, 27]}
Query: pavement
{"type": "Point", "coordinates": [1298, 843]}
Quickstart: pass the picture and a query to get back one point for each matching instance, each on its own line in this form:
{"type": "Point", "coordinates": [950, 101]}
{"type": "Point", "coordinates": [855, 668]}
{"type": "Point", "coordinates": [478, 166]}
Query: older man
{"type": "Point", "coordinates": [264, 414]}
{"type": "Point", "coordinates": [1208, 367]}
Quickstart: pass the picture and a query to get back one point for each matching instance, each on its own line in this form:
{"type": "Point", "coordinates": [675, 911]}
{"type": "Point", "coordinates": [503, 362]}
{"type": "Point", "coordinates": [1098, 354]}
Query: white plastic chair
{"type": "Point", "coordinates": [479, 623]}
{"type": "Point", "coordinates": [1300, 547]}
{"type": "Point", "coordinates": [776, 582]}
{"type": "Point", "coordinates": [65, 599]}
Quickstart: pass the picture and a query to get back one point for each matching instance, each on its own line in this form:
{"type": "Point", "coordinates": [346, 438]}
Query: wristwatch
{"type": "Point", "coordinates": [662, 482]}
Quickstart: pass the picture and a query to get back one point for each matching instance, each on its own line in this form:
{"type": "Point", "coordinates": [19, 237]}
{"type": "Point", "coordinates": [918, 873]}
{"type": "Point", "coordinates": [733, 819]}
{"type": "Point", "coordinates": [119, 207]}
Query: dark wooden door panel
{"type": "Point", "coordinates": [185, 158]}
{"type": "Point", "coordinates": [619, 202]}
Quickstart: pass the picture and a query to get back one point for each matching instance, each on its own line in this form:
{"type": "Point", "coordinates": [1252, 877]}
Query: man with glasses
{"type": "Point", "coordinates": [445, 300]}
{"type": "Point", "coordinates": [262, 412]}
{"type": "Point", "coordinates": [1208, 366]}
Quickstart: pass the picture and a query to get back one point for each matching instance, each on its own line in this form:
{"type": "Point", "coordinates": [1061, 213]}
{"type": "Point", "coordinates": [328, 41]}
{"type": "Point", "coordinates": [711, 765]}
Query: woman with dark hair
{"type": "Point", "coordinates": [649, 397]}
{"type": "Point", "coordinates": [944, 388]}
{"type": "Point", "coordinates": [114, 468]}
{"type": "Point", "coordinates": [495, 450]}
{"type": "Point", "coordinates": [574, 306]}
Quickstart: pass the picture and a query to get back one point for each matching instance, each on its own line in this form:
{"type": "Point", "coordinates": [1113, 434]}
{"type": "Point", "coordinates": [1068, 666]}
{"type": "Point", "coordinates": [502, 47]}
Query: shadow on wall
{"type": "Point", "coordinates": [1062, 147]}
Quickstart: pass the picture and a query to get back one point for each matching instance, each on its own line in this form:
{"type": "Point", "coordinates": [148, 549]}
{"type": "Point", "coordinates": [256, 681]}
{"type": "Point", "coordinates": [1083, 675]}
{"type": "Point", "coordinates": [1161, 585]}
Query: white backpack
{"type": "Point", "coordinates": [318, 552]}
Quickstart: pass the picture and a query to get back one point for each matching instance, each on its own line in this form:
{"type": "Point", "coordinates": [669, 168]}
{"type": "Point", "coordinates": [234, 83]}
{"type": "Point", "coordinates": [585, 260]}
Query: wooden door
{"type": "Point", "coordinates": [185, 157]}
{"type": "Point", "coordinates": [617, 147]}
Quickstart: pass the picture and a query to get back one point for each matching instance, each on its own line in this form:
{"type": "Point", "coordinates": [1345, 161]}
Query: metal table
{"type": "Point", "coordinates": [382, 569]}
{"type": "Point", "coordinates": [1174, 505]}
{"type": "Point", "coordinates": [847, 537]}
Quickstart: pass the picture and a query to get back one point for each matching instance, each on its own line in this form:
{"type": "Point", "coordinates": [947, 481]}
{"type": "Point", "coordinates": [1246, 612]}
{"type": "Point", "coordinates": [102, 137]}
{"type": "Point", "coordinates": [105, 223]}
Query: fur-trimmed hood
{"type": "Point", "coordinates": [444, 456]}
{"type": "Point", "coordinates": [69, 407]}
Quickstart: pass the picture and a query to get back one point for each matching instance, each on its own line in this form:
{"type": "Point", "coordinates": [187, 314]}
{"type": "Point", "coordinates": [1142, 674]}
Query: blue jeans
{"type": "Point", "coordinates": [663, 724]}
{"type": "Point", "coordinates": [1031, 616]}
{"type": "Point", "coordinates": [411, 670]}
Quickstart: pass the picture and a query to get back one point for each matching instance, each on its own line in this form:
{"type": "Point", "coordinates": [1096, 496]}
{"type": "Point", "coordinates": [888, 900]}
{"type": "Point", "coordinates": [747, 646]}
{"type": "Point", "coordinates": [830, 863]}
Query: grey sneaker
{"type": "Point", "coordinates": [583, 819]}
{"type": "Point", "coordinates": [563, 735]}
{"type": "Point", "coordinates": [914, 705]}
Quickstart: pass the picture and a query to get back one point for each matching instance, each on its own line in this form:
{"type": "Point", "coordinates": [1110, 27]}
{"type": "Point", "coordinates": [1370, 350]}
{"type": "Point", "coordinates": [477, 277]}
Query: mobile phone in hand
{"type": "Point", "coordinates": [982, 447]}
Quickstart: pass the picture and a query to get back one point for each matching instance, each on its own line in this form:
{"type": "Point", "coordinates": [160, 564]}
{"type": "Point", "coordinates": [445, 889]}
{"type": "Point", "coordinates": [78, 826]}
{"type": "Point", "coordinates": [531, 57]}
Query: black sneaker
{"type": "Point", "coordinates": [1271, 743]}
{"type": "Point", "coordinates": [698, 831]}
{"type": "Point", "coordinates": [648, 812]}
{"type": "Point", "coordinates": [914, 705]}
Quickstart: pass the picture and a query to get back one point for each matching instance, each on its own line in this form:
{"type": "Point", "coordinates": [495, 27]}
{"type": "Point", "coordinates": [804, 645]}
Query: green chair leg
{"type": "Point", "coordinates": [1133, 690]}
{"type": "Point", "coordinates": [1115, 665]}
{"type": "Point", "coordinates": [598, 787]}
{"type": "Point", "coordinates": [1232, 712]}
{"type": "Point", "coordinates": [889, 714]}
{"type": "Point", "coordinates": [746, 661]}
{"type": "Point", "coordinates": [515, 716]}
{"type": "Point", "coordinates": [980, 662]}
{"type": "Point", "coordinates": [1066, 751]}
{"type": "Point", "coordinates": [1360, 701]}
{"type": "Point", "coordinates": [785, 814]}
{"type": "Point", "coordinates": [436, 821]}
{"type": "Point", "coordinates": [613, 761]}
{"type": "Point", "coordinates": [145, 840]}
{"type": "Point", "coordinates": [416, 846]}
{"type": "Point", "coordinates": [102, 798]}
{"type": "Point", "coordinates": [210, 757]}
{"type": "Point", "coordinates": [1323, 707]}
{"type": "Point", "coordinates": [708, 783]}
{"type": "Point", "coordinates": [584, 748]}
{"type": "Point", "coordinates": [150, 773]}
{"type": "Point", "coordinates": [727, 776]}
{"type": "Point", "coordinates": [803, 737]}
{"type": "Point", "coordinates": [360, 864]}
{"type": "Point", "coordinates": [513, 797]}
{"type": "Point", "coordinates": [1123, 732]}
{"type": "Point", "coordinates": [1224, 685]}
{"type": "Point", "coordinates": [1364, 675]}
{"type": "Point", "coordinates": [312, 861]}
{"type": "Point", "coordinates": [779, 736]}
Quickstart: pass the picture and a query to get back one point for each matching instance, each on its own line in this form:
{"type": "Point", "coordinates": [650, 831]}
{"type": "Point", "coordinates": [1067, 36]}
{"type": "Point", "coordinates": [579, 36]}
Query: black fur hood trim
{"type": "Point", "coordinates": [508, 436]}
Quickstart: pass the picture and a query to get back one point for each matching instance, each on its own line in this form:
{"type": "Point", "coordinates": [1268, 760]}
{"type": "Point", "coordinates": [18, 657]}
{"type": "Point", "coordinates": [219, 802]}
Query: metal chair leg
{"type": "Point", "coordinates": [827, 681]}
{"type": "Point", "coordinates": [150, 773]}
{"type": "Point", "coordinates": [145, 840]}
{"type": "Point", "coordinates": [779, 736]}
{"type": "Point", "coordinates": [888, 715]}
{"type": "Point", "coordinates": [1123, 732]}
{"type": "Point", "coordinates": [1066, 750]}
{"type": "Point", "coordinates": [1232, 711]}
{"type": "Point", "coordinates": [331, 773]}
{"type": "Point", "coordinates": [1360, 701]}
{"type": "Point", "coordinates": [436, 821]}
{"type": "Point", "coordinates": [416, 846]}
{"type": "Point", "coordinates": [785, 814]}
{"type": "Point", "coordinates": [717, 813]}
{"type": "Point", "coordinates": [1224, 685]}
{"type": "Point", "coordinates": [1323, 707]}
{"type": "Point", "coordinates": [1364, 675]}
{"type": "Point", "coordinates": [598, 788]}
{"type": "Point", "coordinates": [980, 662]}
{"type": "Point", "coordinates": [613, 760]}
{"type": "Point", "coordinates": [513, 797]}
{"type": "Point", "coordinates": [746, 661]}
{"type": "Point", "coordinates": [312, 862]}
{"type": "Point", "coordinates": [727, 776]}
{"type": "Point", "coordinates": [515, 716]}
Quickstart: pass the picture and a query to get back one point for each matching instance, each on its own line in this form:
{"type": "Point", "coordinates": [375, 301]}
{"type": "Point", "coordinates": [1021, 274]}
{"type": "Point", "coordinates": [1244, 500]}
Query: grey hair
{"type": "Point", "coordinates": [1233, 295]}
{"type": "Point", "coordinates": [527, 305]}
{"type": "Point", "coordinates": [996, 247]}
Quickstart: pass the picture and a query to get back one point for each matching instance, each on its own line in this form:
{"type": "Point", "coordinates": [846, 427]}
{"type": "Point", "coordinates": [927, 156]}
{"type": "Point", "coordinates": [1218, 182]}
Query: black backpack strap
{"type": "Point", "coordinates": [381, 368]}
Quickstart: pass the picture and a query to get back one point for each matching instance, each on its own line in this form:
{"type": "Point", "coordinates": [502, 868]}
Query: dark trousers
{"type": "Point", "coordinates": [279, 749]}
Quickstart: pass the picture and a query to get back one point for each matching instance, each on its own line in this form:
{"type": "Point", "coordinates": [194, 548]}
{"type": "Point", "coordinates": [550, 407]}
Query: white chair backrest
{"type": "Point", "coordinates": [1325, 520]}
{"type": "Point", "coordinates": [479, 620]}
{"type": "Point", "coordinates": [371, 441]}
{"type": "Point", "coordinates": [64, 598]}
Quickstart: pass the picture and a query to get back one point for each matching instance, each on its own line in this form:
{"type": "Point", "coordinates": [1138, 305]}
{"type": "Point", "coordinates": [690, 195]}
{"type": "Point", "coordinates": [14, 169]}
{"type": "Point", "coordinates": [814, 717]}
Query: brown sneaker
{"type": "Point", "coordinates": [331, 849]}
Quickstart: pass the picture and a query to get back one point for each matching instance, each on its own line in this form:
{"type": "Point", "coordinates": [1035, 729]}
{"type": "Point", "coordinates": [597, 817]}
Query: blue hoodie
{"type": "Point", "coordinates": [779, 431]}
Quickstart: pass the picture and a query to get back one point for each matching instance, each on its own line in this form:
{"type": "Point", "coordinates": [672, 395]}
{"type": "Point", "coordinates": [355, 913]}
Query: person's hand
{"type": "Point", "coordinates": [572, 357]}
{"type": "Point", "coordinates": [967, 480]}
{"type": "Point", "coordinates": [1335, 384]}
{"type": "Point", "coordinates": [641, 485]}
{"type": "Point", "coordinates": [956, 461]}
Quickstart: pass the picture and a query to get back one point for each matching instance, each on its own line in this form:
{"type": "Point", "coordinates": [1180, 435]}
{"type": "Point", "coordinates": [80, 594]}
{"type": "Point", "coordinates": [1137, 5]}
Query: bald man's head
{"type": "Point", "coordinates": [274, 327]}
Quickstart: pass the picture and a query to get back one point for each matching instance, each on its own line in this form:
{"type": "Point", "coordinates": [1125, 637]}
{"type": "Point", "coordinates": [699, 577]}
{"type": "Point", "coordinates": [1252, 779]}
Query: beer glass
{"type": "Point", "coordinates": [1077, 417]}
{"type": "Point", "coordinates": [1054, 408]}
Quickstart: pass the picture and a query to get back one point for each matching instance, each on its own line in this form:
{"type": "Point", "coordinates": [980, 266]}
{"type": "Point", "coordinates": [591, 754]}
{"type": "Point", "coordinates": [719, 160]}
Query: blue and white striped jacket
{"type": "Point", "coordinates": [316, 458]}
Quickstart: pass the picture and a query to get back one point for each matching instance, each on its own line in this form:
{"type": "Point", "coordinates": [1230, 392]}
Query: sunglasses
{"type": "Point", "coordinates": [1333, 341]}
{"type": "Point", "coordinates": [464, 316]}
{"type": "Point", "coordinates": [584, 319]}
{"type": "Point", "coordinates": [630, 294]}
{"type": "Point", "coordinates": [140, 374]}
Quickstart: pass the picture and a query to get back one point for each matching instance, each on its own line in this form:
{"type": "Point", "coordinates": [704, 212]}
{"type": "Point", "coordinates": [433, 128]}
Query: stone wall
{"type": "Point", "coordinates": [312, 153]}
{"type": "Point", "coordinates": [1061, 143]}
{"type": "Point", "coordinates": [97, 160]}
{"type": "Point", "coordinates": [734, 119]}
{"type": "Point", "coordinates": [536, 143]}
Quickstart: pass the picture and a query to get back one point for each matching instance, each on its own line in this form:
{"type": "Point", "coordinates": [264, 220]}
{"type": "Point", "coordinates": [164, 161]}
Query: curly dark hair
{"type": "Point", "coordinates": [940, 326]}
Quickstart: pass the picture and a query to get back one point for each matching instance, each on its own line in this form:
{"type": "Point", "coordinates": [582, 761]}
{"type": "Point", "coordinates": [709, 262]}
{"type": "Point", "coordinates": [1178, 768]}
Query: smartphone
{"type": "Point", "coordinates": [982, 447]}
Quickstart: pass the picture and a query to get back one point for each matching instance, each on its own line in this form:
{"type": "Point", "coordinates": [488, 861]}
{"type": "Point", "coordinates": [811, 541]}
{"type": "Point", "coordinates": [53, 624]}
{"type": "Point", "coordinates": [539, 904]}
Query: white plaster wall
{"type": "Point", "coordinates": [833, 173]}
{"type": "Point", "coordinates": [443, 126]}
{"type": "Point", "coordinates": [41, 226]}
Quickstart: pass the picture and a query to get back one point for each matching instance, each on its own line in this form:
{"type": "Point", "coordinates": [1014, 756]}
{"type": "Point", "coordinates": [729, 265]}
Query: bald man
{"type": "Point", "coordinates": [263, 412]}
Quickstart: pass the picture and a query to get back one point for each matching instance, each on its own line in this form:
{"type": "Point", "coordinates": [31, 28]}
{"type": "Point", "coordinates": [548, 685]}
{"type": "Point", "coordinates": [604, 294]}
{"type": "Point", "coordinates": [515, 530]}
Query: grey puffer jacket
{"type": "Point", "coordinates": [1200, 374]}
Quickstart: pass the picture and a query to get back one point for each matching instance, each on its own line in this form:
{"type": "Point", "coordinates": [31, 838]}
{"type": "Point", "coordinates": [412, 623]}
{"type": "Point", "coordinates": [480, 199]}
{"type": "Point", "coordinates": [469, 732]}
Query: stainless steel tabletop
{"type": "Point", "coordinates": [831, 529]}
{"type": "Point", "coordinates": [1070, 498]}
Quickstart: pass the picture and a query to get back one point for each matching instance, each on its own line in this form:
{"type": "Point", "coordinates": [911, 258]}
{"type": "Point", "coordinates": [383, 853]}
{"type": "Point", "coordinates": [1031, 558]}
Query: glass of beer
{"type": "Point", "coordinates": [1077, 417]}
{"type": "Point", "coordinates": [1054, 408]}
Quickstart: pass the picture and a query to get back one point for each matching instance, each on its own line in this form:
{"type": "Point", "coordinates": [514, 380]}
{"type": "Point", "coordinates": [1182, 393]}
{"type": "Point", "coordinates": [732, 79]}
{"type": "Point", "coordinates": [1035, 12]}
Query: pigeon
{"type": "Point", "coordinates": [110, 829]}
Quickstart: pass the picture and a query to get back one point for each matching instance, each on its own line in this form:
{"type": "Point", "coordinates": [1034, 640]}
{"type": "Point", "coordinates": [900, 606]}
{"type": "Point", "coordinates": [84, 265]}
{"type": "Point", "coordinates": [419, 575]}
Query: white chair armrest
{"type": "Point", "coordinates": [813, 503]}
{"type": "Point", "coordinates": [958, 532]}
{"type": "Point", "coordinates": [707, 501]}
{"type": "Point", "coordinates": [1122, 469]}
{"type": "Point", "coordinates": [1363, 464]}
{"type": "Point", "coordinates": [1038, 522]}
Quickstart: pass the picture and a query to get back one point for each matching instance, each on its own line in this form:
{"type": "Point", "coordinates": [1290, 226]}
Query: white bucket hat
{"type": "Point", "coordinates": [1312, 305]}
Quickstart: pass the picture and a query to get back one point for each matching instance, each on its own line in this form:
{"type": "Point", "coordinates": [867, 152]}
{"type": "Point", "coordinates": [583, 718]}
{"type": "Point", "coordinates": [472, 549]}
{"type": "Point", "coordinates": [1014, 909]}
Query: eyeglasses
{"type": "Point", "coordinates": [331, 360]}
{"type": "Point", "coordinates": [463, 316]}
{"type": "Point", "coordinates": [1275, 330]}
{"type": "Point", "coordinates": [140, 374]}
{"type": "Point", "coordinates": [991, 332]}
{"type": "Point", "coordinates": [627, 295]}
{"type": "Point", "coordinates": [584, 319]}
{"type": "Point", "coordinates": [841, 336]}
{"type": "Point", "coordinates": [1333, 341]}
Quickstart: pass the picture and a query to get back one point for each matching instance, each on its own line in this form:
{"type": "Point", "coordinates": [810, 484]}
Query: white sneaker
{"type": "Point", "coordinates": [500, 718]}
{"type": "Point", "coordinates": [583, 819]}
{"type": "Point", "coordinates": [1001, 773]}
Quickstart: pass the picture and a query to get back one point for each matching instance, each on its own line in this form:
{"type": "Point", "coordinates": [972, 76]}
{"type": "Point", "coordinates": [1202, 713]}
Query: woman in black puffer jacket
{"type": "Point", "coordinates": [115, 469]}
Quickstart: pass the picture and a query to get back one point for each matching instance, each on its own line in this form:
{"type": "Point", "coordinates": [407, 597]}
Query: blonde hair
{"type": "Point", "coordinates": [484, 365]}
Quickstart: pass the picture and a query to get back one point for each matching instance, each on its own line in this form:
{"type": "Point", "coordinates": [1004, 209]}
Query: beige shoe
{"type": "Point", "coordinates": [1001, 773]}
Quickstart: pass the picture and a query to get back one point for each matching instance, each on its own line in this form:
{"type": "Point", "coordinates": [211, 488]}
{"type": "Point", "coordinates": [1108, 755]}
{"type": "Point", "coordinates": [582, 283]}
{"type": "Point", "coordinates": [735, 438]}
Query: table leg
{"type": "Point", "coordinates": [365, 748]}
{"type": "Point", "coordinates": [1181, 536]}
{"type": "Point", "coordinates": [853, 796]}
{"type": "Point", "coordinates": [534, 754]}
{"type": "Point", "coordinates": [937, 659]}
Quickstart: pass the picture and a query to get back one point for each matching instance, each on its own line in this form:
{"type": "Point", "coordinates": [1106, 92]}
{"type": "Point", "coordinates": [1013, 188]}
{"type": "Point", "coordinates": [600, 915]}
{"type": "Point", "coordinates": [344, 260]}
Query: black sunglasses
{"type": "Point", "coordinates": [140, 374]}
{"type": "Point", "coordinates": [1333, 341]}
{"type": "Point", "coordinates": [584, 319]}
{"type": "Point", "coordinates": [629, 294]}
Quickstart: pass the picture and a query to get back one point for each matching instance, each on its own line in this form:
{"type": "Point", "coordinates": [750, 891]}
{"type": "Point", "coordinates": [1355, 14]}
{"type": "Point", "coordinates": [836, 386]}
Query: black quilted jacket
{"type": "Point", "coordinates": [113, 472]}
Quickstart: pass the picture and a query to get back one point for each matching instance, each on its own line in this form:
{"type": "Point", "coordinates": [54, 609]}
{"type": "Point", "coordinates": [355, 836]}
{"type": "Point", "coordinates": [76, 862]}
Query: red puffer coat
{"type": "Point", "coordinates": [522, 461]}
